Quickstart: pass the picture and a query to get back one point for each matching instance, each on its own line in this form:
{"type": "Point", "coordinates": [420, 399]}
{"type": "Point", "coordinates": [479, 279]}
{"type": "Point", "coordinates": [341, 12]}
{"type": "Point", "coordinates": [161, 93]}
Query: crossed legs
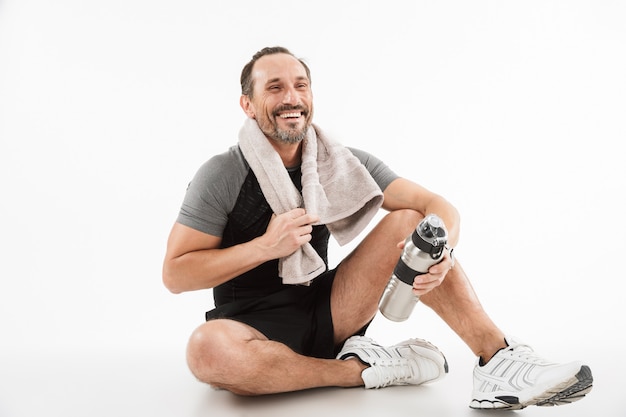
{"type": "Point", "coordinates": [234, 356]}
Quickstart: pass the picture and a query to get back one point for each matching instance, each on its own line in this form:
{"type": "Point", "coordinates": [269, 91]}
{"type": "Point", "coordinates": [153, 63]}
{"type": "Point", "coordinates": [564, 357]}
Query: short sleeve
{"type": "Point", "coordinates": [213, 192]}
{"type": "Point", "coordinates": [382, 174]}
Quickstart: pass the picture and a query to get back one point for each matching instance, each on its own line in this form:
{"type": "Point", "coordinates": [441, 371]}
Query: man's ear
{"type": "Point", "coordinates": [247, 106]}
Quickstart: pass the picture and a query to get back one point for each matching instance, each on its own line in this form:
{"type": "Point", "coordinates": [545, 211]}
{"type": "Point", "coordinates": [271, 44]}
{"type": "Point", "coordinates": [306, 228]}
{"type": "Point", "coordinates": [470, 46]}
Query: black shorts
{"type": "Point", "coordinates": [298, 316]}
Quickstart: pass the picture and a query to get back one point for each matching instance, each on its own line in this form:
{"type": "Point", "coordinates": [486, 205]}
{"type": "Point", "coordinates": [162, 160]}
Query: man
{"type": "Point", "coordinates": [265, 336]}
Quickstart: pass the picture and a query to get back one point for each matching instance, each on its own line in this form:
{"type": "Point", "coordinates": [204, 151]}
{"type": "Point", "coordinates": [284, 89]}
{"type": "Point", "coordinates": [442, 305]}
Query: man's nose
{"type": "Point", "coordinates": [290, 97]}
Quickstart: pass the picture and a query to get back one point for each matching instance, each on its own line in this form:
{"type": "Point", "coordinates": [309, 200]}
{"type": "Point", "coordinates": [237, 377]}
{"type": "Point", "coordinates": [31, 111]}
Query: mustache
{"type": "Point", "coordinates": [286, 107]}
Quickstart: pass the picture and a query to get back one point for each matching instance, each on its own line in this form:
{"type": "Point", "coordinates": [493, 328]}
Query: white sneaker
{"type": "Point", "coordinates": [411, 362]}
{"type": "Point", "coordinates": [516, 377]}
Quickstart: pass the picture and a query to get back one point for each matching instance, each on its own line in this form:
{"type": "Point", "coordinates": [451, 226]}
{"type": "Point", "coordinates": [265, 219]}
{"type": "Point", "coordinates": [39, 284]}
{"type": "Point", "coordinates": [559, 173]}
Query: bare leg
{"type": "Point", "coordinates": [363, 275]}
{"type": "Point", "coordinates": [457, 304]}
{"type": "Point", "coordinates": [234, 356]}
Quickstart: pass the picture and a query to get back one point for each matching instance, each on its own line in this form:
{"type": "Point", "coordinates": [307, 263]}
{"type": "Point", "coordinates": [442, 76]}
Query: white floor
{"type": "Point", "coordinates": [158, 385]}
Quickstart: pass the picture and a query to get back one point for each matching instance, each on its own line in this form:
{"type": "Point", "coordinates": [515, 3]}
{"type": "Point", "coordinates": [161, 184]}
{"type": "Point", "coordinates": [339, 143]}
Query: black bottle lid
{"type": "Point", "coordinates": [430, 235]}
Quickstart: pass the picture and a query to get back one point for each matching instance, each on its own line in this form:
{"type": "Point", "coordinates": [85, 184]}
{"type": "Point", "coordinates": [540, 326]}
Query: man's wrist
{"type": "Point", "coordinates": [451, 253]}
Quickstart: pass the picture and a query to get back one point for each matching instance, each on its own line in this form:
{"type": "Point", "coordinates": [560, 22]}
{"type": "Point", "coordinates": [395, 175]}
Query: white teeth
{"type": "Point", "coordinates": [288, 115]}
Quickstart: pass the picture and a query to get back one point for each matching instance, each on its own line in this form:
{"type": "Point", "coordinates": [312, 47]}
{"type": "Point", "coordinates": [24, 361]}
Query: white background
{"type": "Point", "coordinates": [514, 111]}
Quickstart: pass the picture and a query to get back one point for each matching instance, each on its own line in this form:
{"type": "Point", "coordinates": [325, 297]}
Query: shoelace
{"type": "Point", "coordinates": [393, 371]}
{"type": "Point", "coordinates": [527, 353]}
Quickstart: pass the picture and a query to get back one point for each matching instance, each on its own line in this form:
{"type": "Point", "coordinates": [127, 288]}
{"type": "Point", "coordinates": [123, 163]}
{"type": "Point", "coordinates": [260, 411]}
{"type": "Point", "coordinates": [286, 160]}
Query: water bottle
{"type": "Point", "coordinates": [422, 249]}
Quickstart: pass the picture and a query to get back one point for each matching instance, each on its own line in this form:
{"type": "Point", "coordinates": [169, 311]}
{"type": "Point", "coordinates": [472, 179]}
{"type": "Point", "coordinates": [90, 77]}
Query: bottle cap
{"type": "Point", "coordinates": [431, 235]}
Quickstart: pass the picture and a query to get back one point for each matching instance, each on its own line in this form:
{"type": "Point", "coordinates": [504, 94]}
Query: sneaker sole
{"type": "Point", "coordinates": [568, 392]}
{"type": "Point", "coordinates": [575, 389]}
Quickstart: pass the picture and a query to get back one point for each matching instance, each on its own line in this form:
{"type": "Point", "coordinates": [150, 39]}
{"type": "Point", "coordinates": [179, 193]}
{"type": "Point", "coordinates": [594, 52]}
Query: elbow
{"type": "Point", "coordinates": [171, 286]}
{"type": "Point", "coordinates": [170, 281]}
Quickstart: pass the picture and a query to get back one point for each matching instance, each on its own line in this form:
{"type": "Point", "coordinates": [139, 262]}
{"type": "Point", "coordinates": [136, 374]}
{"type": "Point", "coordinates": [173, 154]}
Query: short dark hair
{"type": "Point", "coordinates": [247, 83]}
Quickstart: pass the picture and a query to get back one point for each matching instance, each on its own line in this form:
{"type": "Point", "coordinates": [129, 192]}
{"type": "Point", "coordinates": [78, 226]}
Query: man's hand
{"type": "Point", "coordinates": [288, 231]}
{"type": "Point", "coordinates": [425, 283]}
{"type": "Point", "coordinates": [436, 274]}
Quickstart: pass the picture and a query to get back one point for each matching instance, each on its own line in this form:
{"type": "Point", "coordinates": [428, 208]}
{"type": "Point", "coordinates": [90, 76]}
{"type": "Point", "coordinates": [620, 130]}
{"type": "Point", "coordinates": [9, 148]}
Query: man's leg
{"type": "Point", "coordinates": [456, 302]}
{"type": "Point", "coordinates": [361, 279]}
{"type": "Point", "coordinates": [363, 275]}
{"type": "Point", "coordinates": [234, 356]}
{"type": "Point", "coordinates": [515, 377]}
{"type": "Point", "coordinates": [359, 282]}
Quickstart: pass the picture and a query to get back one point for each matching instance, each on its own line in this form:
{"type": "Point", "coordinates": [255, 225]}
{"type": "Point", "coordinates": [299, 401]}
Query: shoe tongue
{"type": "Point", "coordinates": [521, 348]}
{"type": "Point", "coordinates": [518, 345]}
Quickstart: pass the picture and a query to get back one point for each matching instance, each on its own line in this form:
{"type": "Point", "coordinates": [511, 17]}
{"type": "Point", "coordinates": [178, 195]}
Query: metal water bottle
{"type": "Point", "coordinates": [422, 249]}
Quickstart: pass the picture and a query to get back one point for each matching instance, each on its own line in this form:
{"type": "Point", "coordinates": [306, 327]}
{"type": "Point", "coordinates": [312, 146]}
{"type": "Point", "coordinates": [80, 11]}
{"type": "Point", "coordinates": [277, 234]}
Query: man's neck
{"type": "Point", "coordinates": [290, 154]}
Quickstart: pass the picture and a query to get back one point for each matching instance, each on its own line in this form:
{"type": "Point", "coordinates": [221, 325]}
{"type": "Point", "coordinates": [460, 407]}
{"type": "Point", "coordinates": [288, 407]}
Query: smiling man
{"type": "Point", "coordinates": [254, 227]}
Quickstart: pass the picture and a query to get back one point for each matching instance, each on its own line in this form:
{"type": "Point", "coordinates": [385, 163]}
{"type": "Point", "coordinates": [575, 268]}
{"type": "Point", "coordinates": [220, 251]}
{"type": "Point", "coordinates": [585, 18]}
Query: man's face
{"type": "Point", "coordinates": [282, 102]}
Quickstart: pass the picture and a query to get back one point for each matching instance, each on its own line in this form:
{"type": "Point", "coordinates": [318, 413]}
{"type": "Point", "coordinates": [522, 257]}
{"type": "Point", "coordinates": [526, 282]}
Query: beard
{"type": "Point", "coordinates": [292, 135]}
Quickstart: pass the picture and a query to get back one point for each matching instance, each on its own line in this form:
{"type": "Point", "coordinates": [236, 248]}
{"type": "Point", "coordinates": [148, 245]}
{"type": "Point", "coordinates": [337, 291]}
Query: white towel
{"type": "Point", "coordinates": [335, 186]}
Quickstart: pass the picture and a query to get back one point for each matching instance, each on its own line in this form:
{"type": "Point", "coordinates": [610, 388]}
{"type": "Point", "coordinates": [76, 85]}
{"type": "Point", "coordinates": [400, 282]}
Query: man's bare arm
{"type": "Point", "coordinates": [194, 260]}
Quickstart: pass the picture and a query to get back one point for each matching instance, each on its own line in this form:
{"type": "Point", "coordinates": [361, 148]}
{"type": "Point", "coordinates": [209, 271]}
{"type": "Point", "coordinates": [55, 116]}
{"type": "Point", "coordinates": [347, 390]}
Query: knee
{"type": "Point", "coordinates": [207, 351]}
{"type": "Point", "coordinates": [404, 221]}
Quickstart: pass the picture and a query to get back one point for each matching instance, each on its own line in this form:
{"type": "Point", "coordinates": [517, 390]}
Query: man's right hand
{"type": "Point", "coordinates": [288, 231]}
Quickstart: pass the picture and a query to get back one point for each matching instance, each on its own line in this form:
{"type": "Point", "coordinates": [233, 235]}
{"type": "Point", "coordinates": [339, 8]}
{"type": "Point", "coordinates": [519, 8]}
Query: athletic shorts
{"type": "Point", "coordinates": [298, 316]}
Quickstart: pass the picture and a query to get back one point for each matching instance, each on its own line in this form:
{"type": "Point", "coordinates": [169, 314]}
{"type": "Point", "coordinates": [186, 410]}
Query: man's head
{"type": "Point", "coordinates": [276, 92]}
